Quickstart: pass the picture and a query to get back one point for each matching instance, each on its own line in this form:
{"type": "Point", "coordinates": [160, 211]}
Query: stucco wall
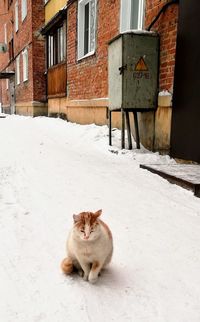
{"type": "Point", "coordinates": [52, 7]}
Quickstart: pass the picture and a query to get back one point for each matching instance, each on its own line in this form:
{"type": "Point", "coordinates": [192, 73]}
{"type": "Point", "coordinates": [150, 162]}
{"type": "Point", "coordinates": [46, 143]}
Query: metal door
{"type": "Point", "coordinates": [185, 131]}
{"type": "Point", "coordinates": [140, 77]}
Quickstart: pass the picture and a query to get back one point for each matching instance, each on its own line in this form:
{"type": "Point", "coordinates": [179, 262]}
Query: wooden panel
{"type": "Point", "coordinates": [57, 80]}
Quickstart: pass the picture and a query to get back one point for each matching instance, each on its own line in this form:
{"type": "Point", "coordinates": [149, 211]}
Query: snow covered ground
{"type": "Point", "coordinates": [50, 169]}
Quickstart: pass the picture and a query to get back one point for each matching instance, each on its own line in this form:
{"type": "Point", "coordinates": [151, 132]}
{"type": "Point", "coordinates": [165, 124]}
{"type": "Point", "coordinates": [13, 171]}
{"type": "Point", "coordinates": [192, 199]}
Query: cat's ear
{"type": "Point", "coordinates": [76, 218]}
{"type": "Point", "coordinates": [98, 213]}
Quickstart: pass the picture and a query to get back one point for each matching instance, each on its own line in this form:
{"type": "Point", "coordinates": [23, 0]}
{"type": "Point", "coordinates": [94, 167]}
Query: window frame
{"type": "Point", "coordinates": [17, 68]}
{"type": "Point", "coordinates": [24, 9]}
{"type": "Point", "coordinates": [81, 53]}
{"type": "Point", "coordinates": [126, 8]}
{"type": "Point", "coordinates": [5, 34]}
{"type": "Point", "coordinates": [11, 49]}
{"type": "Point", "coordinates": [10, 3]}
{"type": "Point", "coordinates": [50, 51]}
{"type": "Point", "coordinates": [25, 64]}
{"type": "Point", "coordinates": [56, 45]}
{"type": "Point", "coordinates": [7, 81]}
{"type": "Point", "coordinates": [16, 16]}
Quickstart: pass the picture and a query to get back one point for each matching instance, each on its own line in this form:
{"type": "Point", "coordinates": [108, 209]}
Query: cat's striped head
{"type": "Point", "coordinates": [86, 225]}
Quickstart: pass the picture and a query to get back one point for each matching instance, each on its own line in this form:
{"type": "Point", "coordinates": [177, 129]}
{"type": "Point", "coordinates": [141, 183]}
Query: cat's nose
{"type": "Point", "coordinates": [86, 237]}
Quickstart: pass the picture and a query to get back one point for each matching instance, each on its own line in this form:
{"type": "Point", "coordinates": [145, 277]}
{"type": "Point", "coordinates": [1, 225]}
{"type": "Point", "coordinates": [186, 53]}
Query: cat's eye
{"type": "Point", "coordinates": [82, 231]}
{"type": "Point", "coordinates": [91, 231]}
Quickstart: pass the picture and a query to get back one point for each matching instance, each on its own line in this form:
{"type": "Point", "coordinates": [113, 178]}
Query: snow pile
{"type": "Point", "coordinates": [50, 169]}
{"type": "Point", "coordinates": [164, 93]}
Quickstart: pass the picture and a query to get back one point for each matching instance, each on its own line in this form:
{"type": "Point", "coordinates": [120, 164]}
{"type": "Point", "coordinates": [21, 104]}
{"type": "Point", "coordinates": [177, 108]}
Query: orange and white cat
{"type": "Point", "coordinates": [89, 246]}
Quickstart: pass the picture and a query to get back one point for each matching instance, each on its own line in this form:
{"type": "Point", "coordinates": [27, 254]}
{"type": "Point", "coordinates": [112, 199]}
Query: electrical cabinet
{"type": "Point", "coordinates": [133, 60]}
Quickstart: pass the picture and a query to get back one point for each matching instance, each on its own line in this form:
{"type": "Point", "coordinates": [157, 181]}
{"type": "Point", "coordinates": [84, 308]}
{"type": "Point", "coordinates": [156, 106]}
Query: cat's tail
{"type": "Point", "coordinates": [67, 265]}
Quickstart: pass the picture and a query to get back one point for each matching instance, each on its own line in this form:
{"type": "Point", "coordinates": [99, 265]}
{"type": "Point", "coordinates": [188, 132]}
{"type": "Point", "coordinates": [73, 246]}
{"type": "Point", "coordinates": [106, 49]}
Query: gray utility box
{"type": "Point", "coordinates": [133, 71]}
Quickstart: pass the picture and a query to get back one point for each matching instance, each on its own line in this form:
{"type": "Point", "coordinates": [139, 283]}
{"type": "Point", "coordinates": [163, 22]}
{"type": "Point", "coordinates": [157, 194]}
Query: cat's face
{"type": "Point", "coordinates": [86, 225]}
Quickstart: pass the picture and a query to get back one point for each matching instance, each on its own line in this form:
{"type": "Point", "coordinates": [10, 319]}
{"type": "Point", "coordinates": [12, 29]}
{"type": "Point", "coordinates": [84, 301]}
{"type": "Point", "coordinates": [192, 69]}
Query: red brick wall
{"type": "Point", "coordinates": [167, 29]}
{"type": "Point", "coordinates": [24, 91]}
{"type": "Point", "coordinates": [23, 39]}
{"type": "Point", "coordinates": [88, 78]}
{"type": "Point", "coordinates": [39, 79]}
{"type": "Point", "coordinates": [4, 57]}
{"type": "Point", "coordinates": [3, 19]}
{"type": "Point", "coordinates": [27, 36]}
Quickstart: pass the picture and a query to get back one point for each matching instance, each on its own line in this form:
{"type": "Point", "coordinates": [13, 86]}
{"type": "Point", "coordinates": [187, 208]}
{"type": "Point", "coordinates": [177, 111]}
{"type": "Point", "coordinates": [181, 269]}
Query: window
{"type": "Point", "coordinates": [86, 27]}
{"type": "Point", "coordinates": [5, 34]}
{"type": "Point", "coordinates": [57, 46]}
{"type": "Point", "coordinates": [132, 14]}
{"type": "Point", "coordinates": [16, 17]}
{"type": "Point", "coordinates": [7, 84]}
{"type": "Point", "coordinates": [60, 44]}
{"type": "Point", "coordinates": [24, 9]}
{"type": "Point", "coordinates": [7, 81]}
{"type": "Point", "coordinates": [17, 70]}
{"type": "Point", "coordinates": [11, 50]}
{"type": "Point", "coordinates": [10, 3]}
{"type": "Point", "coordinates": [50, 51]}
{"type": "Point", "coordinates": [25, 65]}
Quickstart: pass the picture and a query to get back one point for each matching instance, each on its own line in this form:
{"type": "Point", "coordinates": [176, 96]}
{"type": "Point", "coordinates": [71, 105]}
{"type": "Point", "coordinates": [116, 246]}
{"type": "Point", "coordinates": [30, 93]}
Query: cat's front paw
{"type": "Point", "coordinates": [92, 279]}
{"type": "Point", "coordinates": [80, 272]}
{"type": "Point", "coordinates": [85, 277]}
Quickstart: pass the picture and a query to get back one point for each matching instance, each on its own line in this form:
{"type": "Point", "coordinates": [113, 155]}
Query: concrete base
{"type": "Point", "coordinates": [154, 126]}
{"type": "Point", "coordinates": [31, 108]}
{"type": "Point", "coordinates": [80, 111]}
{"type": "Point", "coordinates": [6, 109]}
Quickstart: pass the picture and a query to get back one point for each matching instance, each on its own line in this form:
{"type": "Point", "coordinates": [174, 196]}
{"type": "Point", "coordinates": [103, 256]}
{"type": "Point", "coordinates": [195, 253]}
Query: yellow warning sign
{"type": "Point", "coordinates": [141, 65]}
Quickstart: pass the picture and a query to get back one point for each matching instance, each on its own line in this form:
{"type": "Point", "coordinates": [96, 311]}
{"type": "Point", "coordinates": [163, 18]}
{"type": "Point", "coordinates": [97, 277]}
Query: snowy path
{"type": "Point", "coordinates": [50, 169]}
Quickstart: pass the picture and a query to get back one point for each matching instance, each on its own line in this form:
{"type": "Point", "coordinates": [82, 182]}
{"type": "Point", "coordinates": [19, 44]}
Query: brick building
{"type": "Point", "coordinates": [22, 66]}
{"type": "Point", "coordinates": [78, 33]}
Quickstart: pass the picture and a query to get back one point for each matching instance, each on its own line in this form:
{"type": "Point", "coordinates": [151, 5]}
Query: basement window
{"type": "Point", "coordinates": [86, 27]}
{"type": "Point", "coordinates": [132, 15]}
